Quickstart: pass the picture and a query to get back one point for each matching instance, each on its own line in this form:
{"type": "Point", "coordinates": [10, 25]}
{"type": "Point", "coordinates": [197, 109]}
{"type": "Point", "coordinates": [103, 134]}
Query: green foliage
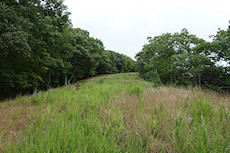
{"type": "Point", "coordinates": [184, 59]}
{"type": "Point", "coordinates": [39, 49]}
{"type": "Point", "coordinates": [121, 63]}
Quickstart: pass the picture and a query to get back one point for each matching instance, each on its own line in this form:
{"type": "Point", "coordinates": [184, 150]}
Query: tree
{"type": "Point", "coordinates": [39, 49]}
{"type": "Point", "coordinates": [27, 31]}
{"type": "Point", "coordinates": [183, 59]}
{"type": "Point", "coordinates": [18, 59]}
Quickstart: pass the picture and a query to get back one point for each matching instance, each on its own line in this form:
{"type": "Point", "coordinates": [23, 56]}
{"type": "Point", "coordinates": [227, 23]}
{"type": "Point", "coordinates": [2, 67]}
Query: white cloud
{"type": "Point", "coordinates": [123, 25]}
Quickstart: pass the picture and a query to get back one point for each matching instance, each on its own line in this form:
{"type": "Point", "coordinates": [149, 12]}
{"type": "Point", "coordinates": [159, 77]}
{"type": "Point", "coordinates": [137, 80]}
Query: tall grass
{"type": "Point", "coordinates": [122, 113]}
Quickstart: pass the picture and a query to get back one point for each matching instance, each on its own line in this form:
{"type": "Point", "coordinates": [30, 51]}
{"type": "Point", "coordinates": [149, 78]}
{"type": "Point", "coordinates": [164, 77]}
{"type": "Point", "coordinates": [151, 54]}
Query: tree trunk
{"type": "Point", "coordinates": [66, 80]}
{"type": "Point", "coordinates": [49, 82]}
{"type": "Point", "coordinates": [36, 90]}
{"type": "Point", "coordinates": [71, 77]}
{"type": "Point", "coordinates": [199, 81]}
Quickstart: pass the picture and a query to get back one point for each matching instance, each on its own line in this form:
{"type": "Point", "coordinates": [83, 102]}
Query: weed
{"type": "Point", "coordinates": [121, 113]}
{"type": "Point", "coordinates": [15, 116]}
{"type": "Point", "coordinates": [77, 85]}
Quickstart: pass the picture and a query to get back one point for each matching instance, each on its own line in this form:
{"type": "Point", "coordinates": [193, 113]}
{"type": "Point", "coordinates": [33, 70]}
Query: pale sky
{"type": "Point", "coordinates": [124, 25]}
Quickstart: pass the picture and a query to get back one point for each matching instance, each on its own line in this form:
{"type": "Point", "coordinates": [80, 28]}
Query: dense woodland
{"type": "Point", "coordinates": [184, 59]}
{"type": "Point", "coordinates": [39, 48]}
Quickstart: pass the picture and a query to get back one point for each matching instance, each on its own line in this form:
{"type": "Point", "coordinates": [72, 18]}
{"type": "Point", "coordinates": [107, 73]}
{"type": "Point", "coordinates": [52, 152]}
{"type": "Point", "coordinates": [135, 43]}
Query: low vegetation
{"type": "Point", "coordinates": [116, 113]}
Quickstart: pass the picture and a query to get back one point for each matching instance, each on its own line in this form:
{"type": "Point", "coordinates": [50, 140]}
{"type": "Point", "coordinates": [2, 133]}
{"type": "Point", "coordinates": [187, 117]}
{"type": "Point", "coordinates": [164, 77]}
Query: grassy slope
{"type": "Point", "coordinates": [116, 113]}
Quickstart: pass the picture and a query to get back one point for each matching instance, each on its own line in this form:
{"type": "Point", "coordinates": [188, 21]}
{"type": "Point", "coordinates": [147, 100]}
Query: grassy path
{"type": "Point", "coordinates": [116, 113]}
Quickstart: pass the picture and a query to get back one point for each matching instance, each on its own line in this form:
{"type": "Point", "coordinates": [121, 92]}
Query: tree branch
{"type": "Point", "coordinates": [11, 3]}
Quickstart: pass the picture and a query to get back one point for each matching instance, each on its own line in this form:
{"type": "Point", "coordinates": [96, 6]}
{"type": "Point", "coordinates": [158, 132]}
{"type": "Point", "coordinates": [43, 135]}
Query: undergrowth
{"type": "Point", "coordinates": [122, 113]}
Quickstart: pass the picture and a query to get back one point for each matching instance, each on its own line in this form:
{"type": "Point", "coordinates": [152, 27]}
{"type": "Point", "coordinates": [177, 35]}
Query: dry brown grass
{"type": "Point", "coordinates": [170, 99]}
{"type": "Point", "coordinates": [12, 120]}
{"type": "Point", "coordinates": [167, 97]}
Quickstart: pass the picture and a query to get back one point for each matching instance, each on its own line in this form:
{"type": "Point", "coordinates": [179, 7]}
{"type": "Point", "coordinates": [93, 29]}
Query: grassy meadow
{"type": "Point", "coordinates": [116, 113]}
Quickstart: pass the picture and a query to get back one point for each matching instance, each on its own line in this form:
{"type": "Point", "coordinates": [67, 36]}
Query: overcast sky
{"type": "Point", "coordinates": [124, 25]}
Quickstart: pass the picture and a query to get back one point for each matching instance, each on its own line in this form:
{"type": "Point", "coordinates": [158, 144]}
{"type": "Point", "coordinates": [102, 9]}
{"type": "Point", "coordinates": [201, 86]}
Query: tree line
{"type": "Point", "coordinates": [39, 48]}
{"type": "Point", "coordinates": [184, 59]}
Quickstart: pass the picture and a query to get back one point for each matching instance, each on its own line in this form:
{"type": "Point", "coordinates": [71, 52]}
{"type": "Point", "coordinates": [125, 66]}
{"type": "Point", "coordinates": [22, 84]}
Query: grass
{"type": "Point", "coordinates": [116, 113]}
